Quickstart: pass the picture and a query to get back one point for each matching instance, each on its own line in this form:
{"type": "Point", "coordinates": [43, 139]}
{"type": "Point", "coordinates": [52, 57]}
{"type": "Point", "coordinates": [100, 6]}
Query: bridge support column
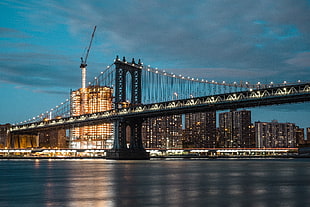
{"type": "Point", "coordinates": [136, 139]}
{"type": "Point", "coordinates": [120, 150]}
{"type": "Point", "coordinates": [119, 135]}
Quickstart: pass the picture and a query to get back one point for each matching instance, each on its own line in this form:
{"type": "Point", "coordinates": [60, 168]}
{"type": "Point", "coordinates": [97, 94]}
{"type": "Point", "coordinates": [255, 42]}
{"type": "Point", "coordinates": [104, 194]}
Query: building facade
{"type": "Point", "coordinates": [194, 130]}
{"type": "Point", "coordinates": [300, 136]}
{"type": "Point", "coordinates": [90, 100]}
{"type": "Point", "coordinates": [53, 139]}
{"type": "Point", "coordinates": [199, 130]}
{"type": "Point", "coordinates": [275, 135]}
{"type": "Point", "coordinates": [236, 129]}
{"type": "Point", "coordinates": [4, 135]}
{"type": "Point", "coordinates": [162, 132]}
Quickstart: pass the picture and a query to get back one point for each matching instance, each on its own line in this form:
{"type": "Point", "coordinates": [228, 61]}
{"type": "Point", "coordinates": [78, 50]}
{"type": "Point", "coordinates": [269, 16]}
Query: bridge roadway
{"type": "Point", "coordinates": [244, 99]}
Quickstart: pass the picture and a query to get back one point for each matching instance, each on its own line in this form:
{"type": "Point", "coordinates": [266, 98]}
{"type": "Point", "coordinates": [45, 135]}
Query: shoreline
{"type": "Point", "coordinates": [156, 157]}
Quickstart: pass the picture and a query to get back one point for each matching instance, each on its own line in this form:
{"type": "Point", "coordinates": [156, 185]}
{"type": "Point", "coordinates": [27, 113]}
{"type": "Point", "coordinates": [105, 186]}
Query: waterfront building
{"type": "Point", "coordinates": [199, 130]}
{"type": "Point", "coordinates": [90, 100]}
{"type": "Point", "coordinates": [307, 140]}
{"type": "Point", "coordinates": [4, 135]}
{"type": "Point", "coordinates": [53, 139]}
{"type": "Point", "coordinates": [162, 132]}
{"type": "Point", "coordinates": [236, 129]}
{"type": "Point", "coordinates": [300, 136]}
{"type": "Point", "coordinates": [193, 130]}
{"type": "Point", "coordinates": [275, 135]}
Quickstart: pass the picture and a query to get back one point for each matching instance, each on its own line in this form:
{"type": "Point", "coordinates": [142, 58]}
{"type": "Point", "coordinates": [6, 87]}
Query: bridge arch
{"type": "Point", "coordinates": [131, 72]}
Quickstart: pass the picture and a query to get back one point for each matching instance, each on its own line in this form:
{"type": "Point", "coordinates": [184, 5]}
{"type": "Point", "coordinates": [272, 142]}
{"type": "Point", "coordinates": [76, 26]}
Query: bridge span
{"type": "Point", "coordinates": [243, 99]}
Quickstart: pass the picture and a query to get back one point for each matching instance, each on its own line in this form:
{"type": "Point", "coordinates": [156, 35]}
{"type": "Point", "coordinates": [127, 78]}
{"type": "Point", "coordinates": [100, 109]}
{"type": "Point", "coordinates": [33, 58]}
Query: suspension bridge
{"type": "Point", "coordinates": [141, 92]}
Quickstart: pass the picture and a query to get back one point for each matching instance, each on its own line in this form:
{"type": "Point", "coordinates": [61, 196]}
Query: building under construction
{"type": "Point", "coordinates": [88, 100]}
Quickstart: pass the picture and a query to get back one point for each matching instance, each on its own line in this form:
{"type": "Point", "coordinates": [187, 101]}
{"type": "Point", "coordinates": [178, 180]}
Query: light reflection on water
{"type": "Point", "coordinates": [155, 183]}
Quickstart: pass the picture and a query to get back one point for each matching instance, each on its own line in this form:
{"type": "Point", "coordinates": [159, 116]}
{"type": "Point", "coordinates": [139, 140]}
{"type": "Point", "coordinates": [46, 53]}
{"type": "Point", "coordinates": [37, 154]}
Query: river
{"type": "Point", "coordinates": [204, 182]}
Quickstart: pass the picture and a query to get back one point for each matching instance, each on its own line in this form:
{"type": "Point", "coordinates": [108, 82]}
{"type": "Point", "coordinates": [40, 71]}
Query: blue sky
{"type": "Point", "coordinates": [42, 42]}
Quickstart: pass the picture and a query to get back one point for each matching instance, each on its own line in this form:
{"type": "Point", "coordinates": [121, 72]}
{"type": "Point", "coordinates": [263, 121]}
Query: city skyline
{"type": "Point", "coordinates": [192, 130]}
{"type": "Point", "coordinates": [42, 43]}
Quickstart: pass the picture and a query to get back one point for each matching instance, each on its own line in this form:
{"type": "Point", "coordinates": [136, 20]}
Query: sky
{"type": "Point", "coordinates": [221, 40]}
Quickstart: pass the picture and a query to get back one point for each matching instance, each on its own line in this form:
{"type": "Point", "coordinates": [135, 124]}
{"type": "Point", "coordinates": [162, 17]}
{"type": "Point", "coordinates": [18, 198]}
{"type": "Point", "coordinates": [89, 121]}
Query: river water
{"type": "Point", "coordinates": [227, 182]}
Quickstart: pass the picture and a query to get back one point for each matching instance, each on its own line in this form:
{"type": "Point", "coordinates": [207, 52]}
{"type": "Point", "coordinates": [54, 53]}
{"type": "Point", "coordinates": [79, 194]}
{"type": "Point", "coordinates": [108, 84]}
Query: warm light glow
{"type": "Point", "coordinates": [91, 136]}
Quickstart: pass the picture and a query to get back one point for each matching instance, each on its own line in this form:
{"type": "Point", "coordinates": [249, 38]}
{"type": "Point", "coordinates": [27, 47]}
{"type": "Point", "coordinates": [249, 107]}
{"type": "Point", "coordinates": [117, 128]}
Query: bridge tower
{"type": "Point", "coordinates": [120, 149]}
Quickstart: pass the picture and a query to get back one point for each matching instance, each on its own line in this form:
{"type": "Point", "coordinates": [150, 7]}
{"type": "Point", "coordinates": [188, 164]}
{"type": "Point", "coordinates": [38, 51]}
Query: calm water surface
{"type": "Point", "coordinates": [284, 182]}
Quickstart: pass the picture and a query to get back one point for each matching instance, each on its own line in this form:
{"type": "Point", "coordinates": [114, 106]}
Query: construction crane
{"type": "Point", "coordinates": [84, 61]}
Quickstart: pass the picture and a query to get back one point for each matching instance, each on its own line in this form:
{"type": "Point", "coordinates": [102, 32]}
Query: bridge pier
{"type": "Point", "coordinates": [120, 150]}
{"type": "Point", "coordinates": [127, 154]}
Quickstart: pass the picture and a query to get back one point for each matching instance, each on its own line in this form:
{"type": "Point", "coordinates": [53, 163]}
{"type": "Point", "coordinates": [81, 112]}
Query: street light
{"type": "Point", "coordinates": [176, 95]}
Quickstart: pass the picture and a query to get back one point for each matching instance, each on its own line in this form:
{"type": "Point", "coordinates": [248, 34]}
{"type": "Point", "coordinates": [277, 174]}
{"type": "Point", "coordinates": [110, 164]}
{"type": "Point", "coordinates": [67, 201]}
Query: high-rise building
{"type": "Point", "coordinates": [199, 130]}
{"type": "Point", "coordinates": [194, 130]}
{"type": "Point", "coordinates": [162, 132]}
{"type": "Point", "coordinates": [274, 134]}
{"type": "Point", "coordinates": [88, 100]}
{"type": "Point", "coordinates": [236, 129]}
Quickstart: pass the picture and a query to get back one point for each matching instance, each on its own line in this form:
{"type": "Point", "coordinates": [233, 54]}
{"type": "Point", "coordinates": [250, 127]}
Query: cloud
{"type": "Point", "coordinates": [37, 70]}
{"type": "Point", "coordinates": [11, 33]}
{"type": "Point", "coordinates": [210, 34]}
{"type": "Point", "coordinates": [300, 60]}
{"type": "Point", "coordinates": [242, 40]}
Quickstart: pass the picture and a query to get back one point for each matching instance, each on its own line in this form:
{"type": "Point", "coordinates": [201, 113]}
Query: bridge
{"type": "Point", "coordinates": [141, 92]}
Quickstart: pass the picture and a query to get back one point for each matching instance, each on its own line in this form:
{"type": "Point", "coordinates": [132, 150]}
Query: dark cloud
{"type": "Point", "coordinates": [259, 40]}
{"type": "Point", "coordinates": [244, 35]}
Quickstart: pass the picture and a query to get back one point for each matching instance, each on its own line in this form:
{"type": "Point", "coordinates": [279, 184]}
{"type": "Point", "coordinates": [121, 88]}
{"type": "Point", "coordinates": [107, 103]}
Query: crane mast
{"type": "Point", "coordinates": [84, 61]}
